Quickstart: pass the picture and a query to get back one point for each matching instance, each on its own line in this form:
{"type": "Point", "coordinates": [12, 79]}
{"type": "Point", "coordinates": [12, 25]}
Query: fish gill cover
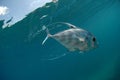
{"type": "Point", "coordinates": [21, 49]}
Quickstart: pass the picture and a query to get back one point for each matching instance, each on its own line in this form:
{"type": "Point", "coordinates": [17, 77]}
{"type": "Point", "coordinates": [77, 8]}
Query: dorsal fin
{"type": "Point", "coordinates": [71, 26]}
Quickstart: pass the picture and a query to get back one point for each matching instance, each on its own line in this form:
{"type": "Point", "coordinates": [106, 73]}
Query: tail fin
{"type": "Point", "coordinates": [48, 35]}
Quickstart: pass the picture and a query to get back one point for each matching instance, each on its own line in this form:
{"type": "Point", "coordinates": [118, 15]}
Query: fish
{"type": "Point", "coordinates": [74, 39]}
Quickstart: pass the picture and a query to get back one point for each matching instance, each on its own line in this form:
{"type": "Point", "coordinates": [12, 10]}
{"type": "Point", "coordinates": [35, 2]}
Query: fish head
{"type": "Point", "coordinates": [92, 42]}
{"type": "Point", "coordinates": [88, 41]}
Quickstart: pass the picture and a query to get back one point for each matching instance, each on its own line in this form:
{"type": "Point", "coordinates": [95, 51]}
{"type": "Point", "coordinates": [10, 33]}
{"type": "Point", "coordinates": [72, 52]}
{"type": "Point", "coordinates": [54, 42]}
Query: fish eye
{"type": "Point", "coordinates": [94, 39]}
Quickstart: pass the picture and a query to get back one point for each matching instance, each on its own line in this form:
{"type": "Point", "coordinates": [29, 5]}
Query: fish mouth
{"type": "Point", "coordinates": [95, 46]}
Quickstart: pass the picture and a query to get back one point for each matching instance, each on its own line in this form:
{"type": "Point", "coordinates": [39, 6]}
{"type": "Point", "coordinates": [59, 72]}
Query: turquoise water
{"type": "Point", "coordinates": [22, 57]}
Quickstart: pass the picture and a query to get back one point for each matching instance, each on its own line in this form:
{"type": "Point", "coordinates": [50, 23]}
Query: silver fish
{"type": "Point", "coordinates": [74, 39]}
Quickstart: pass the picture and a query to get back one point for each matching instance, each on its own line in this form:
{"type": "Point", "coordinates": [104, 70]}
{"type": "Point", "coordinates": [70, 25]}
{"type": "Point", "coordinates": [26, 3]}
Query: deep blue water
{"type": "Point", "coordinates": [22, 55]}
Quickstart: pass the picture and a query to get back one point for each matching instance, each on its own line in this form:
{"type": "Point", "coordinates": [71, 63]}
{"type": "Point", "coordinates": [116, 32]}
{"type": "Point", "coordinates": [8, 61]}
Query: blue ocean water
{"type": "Point", "coordinates": [22, 57]}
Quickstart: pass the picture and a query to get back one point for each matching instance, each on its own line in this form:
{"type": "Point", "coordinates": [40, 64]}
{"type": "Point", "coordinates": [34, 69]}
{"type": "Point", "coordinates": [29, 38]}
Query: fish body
{"type": "Point", "coordinates": [70, 39]}
{"type": "Point", "coordinates": [74, 39]}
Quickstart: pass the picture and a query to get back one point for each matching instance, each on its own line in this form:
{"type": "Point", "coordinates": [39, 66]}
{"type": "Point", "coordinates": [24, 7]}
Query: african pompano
{"type": "Point", "coordinates": [74, 39]}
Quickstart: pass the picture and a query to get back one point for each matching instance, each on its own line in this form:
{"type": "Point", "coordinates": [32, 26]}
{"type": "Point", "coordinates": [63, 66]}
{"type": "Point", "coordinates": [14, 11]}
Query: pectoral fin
{"type": "Point", "coordinates": [81, 40]}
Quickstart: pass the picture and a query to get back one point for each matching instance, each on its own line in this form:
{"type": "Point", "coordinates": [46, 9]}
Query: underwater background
{"type": "Point", "coordinates": [22, 57]}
